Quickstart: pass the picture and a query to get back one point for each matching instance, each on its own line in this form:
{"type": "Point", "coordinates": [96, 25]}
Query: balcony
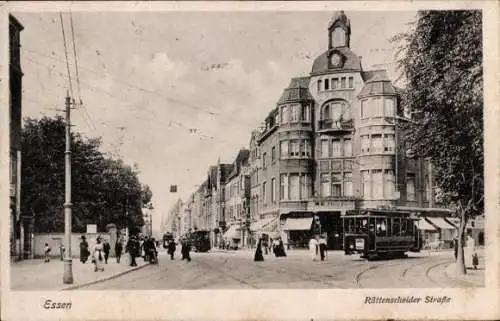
{"type": "Point", "coordinates": [328, 125]}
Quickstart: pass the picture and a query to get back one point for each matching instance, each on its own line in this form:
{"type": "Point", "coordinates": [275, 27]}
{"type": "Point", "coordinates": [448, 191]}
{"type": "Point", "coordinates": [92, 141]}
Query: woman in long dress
{"type": "Point", "coordinates": [313, 248]}
{"type": "Point", "coordinates": [258, 252]}
{"type": "Point", "coordinates": [469, 252]}
{"type": "Point", "coordinates": [98, 256]}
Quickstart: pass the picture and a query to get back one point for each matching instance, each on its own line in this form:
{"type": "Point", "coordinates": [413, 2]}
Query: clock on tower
{"type": "Point", "coordinates": [336, 60]}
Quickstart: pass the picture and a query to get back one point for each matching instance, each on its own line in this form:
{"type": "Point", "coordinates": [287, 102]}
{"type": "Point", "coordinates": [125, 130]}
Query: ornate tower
{"type": "Point", "coordinates": [339, 31]}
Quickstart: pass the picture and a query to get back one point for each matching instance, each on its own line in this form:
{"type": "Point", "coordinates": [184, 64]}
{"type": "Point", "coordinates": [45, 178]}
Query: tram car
{"type": "Point", "coordinates": [200, 241]}
{"type": "Point", "coordinates": [380, 233]}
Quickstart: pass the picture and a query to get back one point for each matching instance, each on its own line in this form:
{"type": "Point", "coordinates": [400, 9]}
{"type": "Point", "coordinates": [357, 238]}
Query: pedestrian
{"type": "Point", "coordinates": [258, 257]}
{"type": "Point", "coordinates": [118, 250]}
{"type": "Point", "coordinates": [313, 248]}
{"type": "Point", "coordinates": [455, 247]}
{"type": "Point", "coordinates": [46, 252]}
{"type": "Point", "coordinates": [84, 250]}
{"type": "Point", "coordinates": [106, 248]}
{"type": "Point", "coordinates": [97, 255]}
{"type": "Point", "coordinates": [281, 248]}
{"type": "Point", "coordinates": [61, 250]}
{"type": "Point", "coordinates": [469, 251]}
{"type": "Point", "coordinates": [171, 248]}
{"type": "Point", "coordinates": [276, 249]}
{"type": "Point", "coordinates": [185, 248]}
{"type": "Point", "coordinates": [133, 249]}
{"type": "Point", "coordinates": [322, 247]}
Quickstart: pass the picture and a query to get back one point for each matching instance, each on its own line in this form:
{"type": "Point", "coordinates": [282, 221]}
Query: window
{"type": "Point", "coordinates": [381, 226]}
{"type": "Point", "coordinates": [324, 148]}
{"type": "Point", "coordinates": [264, 196]}
{"type": "Point", "coordinates": [327, 84]}
{"type": "Point", "coordinates": [389, 107]}
{"type": "Point", "coordinates": [365, 144]}
{"type": "Point", "coordinates": [295, 113]}
{"type": "Point", "coordinates": [284, 114]}
{"type": "Point", "coordinates": [325, 112]}
{"type": "Point", "coordinates": [378, 184]}
{"type": "Point", "coordinates": [306, 186]}
{"type": "Point", "coordinates": [389, 143]}
{"type": "Point", "coordinates": [324, 166]}
{"type": "Point", "coordinates": [342, 82]}
{"type": "Point", "coordinates": [377, 144]}
{"type": "Point", "coordinates": [365, 181]}
{"type": "Point", "coordinates": [320, 82]}
{"type": "Point", "coordinates": [336, 148]}
{"type": "Point", "coordinates": [294, 187]}
{"type": "Point", "coordinates": [306, 113]}
{"type": "Point", "coordinates": [336, 185]}
{"type": "Point", "coordinates": [347, 147]}
{"type": "Point", "coordinates": [307, 148]}
{"type": "Point", "coordinates": [351, 82]}
{"type": "Point", "coordinates": [264, 156]}
{"type": "Point", "coordinates": [273, 154]}
{"type": "Point", "coordinates": [348, 164]}
{"type": "Point", "coordinates": [273, 190]}
{"type": "Point", "coordinates": [363, 108]}
{"type": "Point", "coordinates": [325, 184]}
{"type": "Point", "coordinates": [337, 165]}
{"type": "Point", "coordinates": [338, 37]}
{"type": "Point", "coordinates": [284, 148]}
{"type": "Point", "coordinates": [348, 190]}
{"type": "Point", "coordinates": [410, 187]}
{"type": "Point", "coordinates": [294, 148]}
{"type": "Point", "coordinates": [389, 184]}
{"type": "Point", "coordinates": [378, 107]}
{"type": "Point", "coordinates": [337, 110]}
{"type": "Point", "coordinates": [283, 187]}
{"type": "Point", "coordinates": [335, 83]}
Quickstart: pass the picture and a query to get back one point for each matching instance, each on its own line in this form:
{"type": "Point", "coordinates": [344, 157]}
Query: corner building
{"type": "Point", "coordinates": [331, 145]}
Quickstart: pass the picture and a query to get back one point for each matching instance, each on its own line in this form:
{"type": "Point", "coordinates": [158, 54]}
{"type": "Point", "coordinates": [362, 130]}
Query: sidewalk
{"type": "Point", "coordinates": [473, 277]}
{"type": "Point", "coordinates": [32, 275]}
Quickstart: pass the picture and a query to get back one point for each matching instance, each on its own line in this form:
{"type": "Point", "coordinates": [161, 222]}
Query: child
{"type": "Point", "coordinates": [47, 251]}
{"type": "Point", "coordinates": [475, 261]}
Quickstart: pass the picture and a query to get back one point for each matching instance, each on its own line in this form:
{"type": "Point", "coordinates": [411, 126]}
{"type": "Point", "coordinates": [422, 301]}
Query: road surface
{"type": "Point", "coordinates": [237, 270]}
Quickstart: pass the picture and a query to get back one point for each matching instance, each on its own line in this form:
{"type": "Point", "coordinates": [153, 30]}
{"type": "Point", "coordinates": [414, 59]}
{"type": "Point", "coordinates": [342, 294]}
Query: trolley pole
{"type": "Point", "coordinates": [68, 269]}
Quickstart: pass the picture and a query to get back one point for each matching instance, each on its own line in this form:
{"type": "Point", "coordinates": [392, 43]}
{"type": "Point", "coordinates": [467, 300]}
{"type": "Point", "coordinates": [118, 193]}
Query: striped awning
{"type": "Point", "coordinates": [423, 225]}
{"type": "Point", "coordinates": [440, 223]}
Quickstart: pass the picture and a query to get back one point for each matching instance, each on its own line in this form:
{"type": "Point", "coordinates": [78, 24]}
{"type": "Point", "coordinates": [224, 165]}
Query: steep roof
{"type": "Point", "coordinates": [352, 62]}
{"type": "Point", "coordinates": [297, 90]}
{"type": "Point", "coordinates": [226, 170]}
{"type": "Point", "coordinates": [377, 82]}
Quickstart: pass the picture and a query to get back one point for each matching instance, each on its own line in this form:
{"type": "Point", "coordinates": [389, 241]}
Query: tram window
{"type": "Point", "coordinates": [389, 227]}
{"type": "Point", "coordinates": [371, 224]}
{"type": "Point", "coordinates": [396, 227]}
{"type": "Point", "coordinates": [381, 226]}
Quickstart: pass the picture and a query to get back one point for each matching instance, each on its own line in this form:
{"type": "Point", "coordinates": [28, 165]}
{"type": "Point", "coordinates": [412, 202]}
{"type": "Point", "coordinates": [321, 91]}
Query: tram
{"type": "Point", "coordinates": [380, 233]}
{"type": "Point", "coordinates": [166, 239]}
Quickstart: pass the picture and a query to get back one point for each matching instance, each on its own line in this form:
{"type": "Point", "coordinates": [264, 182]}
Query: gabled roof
{"type": "Point", "coordinates": [297, 90]}
{"type": "Point", "coordinates": [352, 62]}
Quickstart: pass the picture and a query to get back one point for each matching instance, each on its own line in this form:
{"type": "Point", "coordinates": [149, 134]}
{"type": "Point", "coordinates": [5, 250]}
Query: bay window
{"type": "Point", "coordinates": [365, 144]}
{"type": "Point", "coordinates": [295, 113]}
{"type": "Point", "coordinates": [306, 186]}
{"type": "Point", "coordinates": [365, 181]}
{"type": "Point", "coordinates": [284, 186]}
{"type": "Point", "coordinates": [307, 148]}
{"type": "Point", "coordinates": [389, 107]}
{"type": "Point", "coordinates": [306, 113]}
{"type": "Point", "coordinates": [389, 144]}
{"type": "Point", "coordinates": [284, 148]}
{"type": "Point", "coordinates": [294, 187]}
{"type": "Point", "coordinates": [377, 144]}
{"type": "Point", "coordinates": [378, 184]}
{"type": "Point", "coordinates": [389, 183]}
{"type": "Point", "coordinates": [294, 148]}
{"type": "Point", "coordinates": [284, 114]}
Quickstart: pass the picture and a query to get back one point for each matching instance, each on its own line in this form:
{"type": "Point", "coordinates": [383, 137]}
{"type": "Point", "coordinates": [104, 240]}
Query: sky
{"type": "Point", "coordinates": [175, 91]}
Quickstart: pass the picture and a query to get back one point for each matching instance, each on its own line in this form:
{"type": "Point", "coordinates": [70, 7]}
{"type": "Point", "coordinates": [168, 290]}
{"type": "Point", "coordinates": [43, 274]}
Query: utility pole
{"type": "Point", "coordinates": [68, 269]}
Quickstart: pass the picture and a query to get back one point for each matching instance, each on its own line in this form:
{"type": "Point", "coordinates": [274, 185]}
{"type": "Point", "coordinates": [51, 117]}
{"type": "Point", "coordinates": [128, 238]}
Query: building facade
{"type": "Point", "coordinates": [21, 231]}
{"type": "Point", "coordinates": [331, 144]}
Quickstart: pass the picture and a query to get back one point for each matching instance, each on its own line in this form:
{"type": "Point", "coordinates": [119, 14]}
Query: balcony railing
{"type": "Point", "coordinates": [339, 125]}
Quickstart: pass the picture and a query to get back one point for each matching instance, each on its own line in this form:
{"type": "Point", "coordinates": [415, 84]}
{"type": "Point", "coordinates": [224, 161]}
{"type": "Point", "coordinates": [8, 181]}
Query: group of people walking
{"type": "Point", "coordinates": [317, 245]}
{"type": "Point", "coordinates": [278, 249]}
{"type": "Point", "coordinates": [99, 254]}
{"type": "Point", "coordinates": [185, 249]}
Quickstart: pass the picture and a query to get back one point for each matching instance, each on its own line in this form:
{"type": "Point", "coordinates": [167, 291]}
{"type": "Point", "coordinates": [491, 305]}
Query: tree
{"type": "Point", "coordinates": [441, 59]}
{"type": "Point", "coordinates": [104, 190]}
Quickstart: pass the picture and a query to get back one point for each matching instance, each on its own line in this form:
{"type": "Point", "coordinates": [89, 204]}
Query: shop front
{"type": "Point", "coordinates": [298, 230]}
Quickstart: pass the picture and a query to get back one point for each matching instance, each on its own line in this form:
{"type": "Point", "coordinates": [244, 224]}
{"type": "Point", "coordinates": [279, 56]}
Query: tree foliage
{"type": "Point", "coordinates": [442, 61]}
{"type": "Point", "coordinates": [104, 190]}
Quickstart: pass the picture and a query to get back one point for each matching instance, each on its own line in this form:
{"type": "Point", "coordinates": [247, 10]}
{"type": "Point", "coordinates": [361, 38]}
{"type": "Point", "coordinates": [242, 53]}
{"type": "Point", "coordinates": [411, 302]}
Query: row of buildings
{"type": "Point", "coordinates": [331, 144]}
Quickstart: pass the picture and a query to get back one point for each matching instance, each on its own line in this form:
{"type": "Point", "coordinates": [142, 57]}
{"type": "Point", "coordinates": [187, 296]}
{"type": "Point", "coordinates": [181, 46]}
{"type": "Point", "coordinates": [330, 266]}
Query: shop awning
{"type": "Point", "coordinates": [440, 223]}
{"type": "Point", "coordinates": [261, 224]}
{"type": "Point", "coordinates": [298, 224]}
{"type": "Point", "coordinates": [233, 232]}
{"type": "Point", "coordinates": [423, 225]}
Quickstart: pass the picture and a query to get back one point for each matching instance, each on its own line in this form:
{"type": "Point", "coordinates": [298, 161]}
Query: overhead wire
{"type": "Point", "coordinates": [66, 53]}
